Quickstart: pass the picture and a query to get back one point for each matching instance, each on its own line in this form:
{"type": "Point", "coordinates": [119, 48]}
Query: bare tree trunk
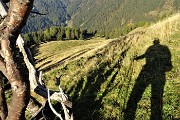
{"type": "Point", "coordinates": [14, 72]}
{"type": "Point", "coordinates": [9, 31]}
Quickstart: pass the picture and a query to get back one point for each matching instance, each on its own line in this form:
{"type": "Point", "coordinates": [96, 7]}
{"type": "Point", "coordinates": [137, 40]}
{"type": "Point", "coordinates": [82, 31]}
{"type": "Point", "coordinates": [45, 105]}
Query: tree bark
{"type": "Point", "coordinates": [9, 30]}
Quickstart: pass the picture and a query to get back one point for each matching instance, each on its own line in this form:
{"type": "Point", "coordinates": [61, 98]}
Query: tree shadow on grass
{"type": "Point", "coordinates": [86, 105]}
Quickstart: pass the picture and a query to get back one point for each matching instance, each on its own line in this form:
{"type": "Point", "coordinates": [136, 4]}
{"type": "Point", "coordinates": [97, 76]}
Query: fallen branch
{"type": "Point", "coordinates": [65, 102]}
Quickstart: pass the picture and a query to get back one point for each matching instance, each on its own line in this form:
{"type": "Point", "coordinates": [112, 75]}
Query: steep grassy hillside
{"type": "Point", "coordinates": [100, 83]}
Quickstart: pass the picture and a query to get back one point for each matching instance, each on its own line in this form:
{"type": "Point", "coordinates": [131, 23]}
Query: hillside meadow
{"type": "Point", "coordinates": [99, 74]}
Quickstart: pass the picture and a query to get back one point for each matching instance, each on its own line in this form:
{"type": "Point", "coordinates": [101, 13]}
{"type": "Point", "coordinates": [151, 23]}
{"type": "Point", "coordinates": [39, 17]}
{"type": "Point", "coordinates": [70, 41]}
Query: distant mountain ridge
{"type": "Point", "coordinates": [99, 15]}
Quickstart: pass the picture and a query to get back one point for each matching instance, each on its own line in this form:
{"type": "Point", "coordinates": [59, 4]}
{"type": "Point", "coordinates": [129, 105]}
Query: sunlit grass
{"type": "Point", "coordinates": [53, 52]}
{"type": "Point", "coordinates": [101, 80]}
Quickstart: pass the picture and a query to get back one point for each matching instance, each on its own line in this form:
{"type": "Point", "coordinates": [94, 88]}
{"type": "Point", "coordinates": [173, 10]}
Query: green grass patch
{"type": "Point", "coordinates": [101, 81]}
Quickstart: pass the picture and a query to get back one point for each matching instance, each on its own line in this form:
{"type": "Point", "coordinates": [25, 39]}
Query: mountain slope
{"type": "Point", "coordinates": [103, 16]}
{"type": "Point", "coordinates": [103, 13]}
{"type": "Point", "coordinates": [100, 83]}
{"type": "Point", "coordinates": [56, 14]}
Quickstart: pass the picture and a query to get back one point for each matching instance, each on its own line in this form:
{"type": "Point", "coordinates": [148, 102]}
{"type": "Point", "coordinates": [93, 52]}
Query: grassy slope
{"type": "Point", "coordinates": [54, 53]}
{"type": "Point", "coordinates": [100, 82]}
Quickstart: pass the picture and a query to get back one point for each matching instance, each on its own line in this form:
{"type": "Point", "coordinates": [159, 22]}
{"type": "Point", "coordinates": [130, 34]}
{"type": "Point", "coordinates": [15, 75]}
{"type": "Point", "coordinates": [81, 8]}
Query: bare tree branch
{"type": "Point", "coordinates": [10, 28]}
{"type": "Point", "coordinates": [31, 68]}
{"type": "Point", "coordinates": [64, 100]}
{"type": "Point", "coordinates": [42, 91]}
{"type": "Point", "coordinates": [38, 13]}
{"type": "Point", "coordinates": [50, 105]}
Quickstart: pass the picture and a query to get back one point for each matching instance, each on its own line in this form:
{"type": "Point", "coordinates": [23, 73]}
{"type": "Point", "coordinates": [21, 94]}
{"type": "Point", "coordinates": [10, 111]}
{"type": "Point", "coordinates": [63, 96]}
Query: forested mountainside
{"type": "Point", "coordinates": [104, 16]}
{"type": "Point", "coordinates": [56, 14]}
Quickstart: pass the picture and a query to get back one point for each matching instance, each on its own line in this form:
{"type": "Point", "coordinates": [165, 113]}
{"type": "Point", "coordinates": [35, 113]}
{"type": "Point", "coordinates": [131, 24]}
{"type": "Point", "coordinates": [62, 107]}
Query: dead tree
{"type": "Point", "coordinates": [11, 64]}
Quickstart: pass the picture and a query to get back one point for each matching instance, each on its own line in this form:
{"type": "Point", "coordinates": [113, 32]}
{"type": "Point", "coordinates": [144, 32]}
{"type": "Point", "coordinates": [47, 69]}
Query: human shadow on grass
{"type": "Point", "coordinates": [158, 62]}
{"type": "Point", "coordinates": [86, 105]}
